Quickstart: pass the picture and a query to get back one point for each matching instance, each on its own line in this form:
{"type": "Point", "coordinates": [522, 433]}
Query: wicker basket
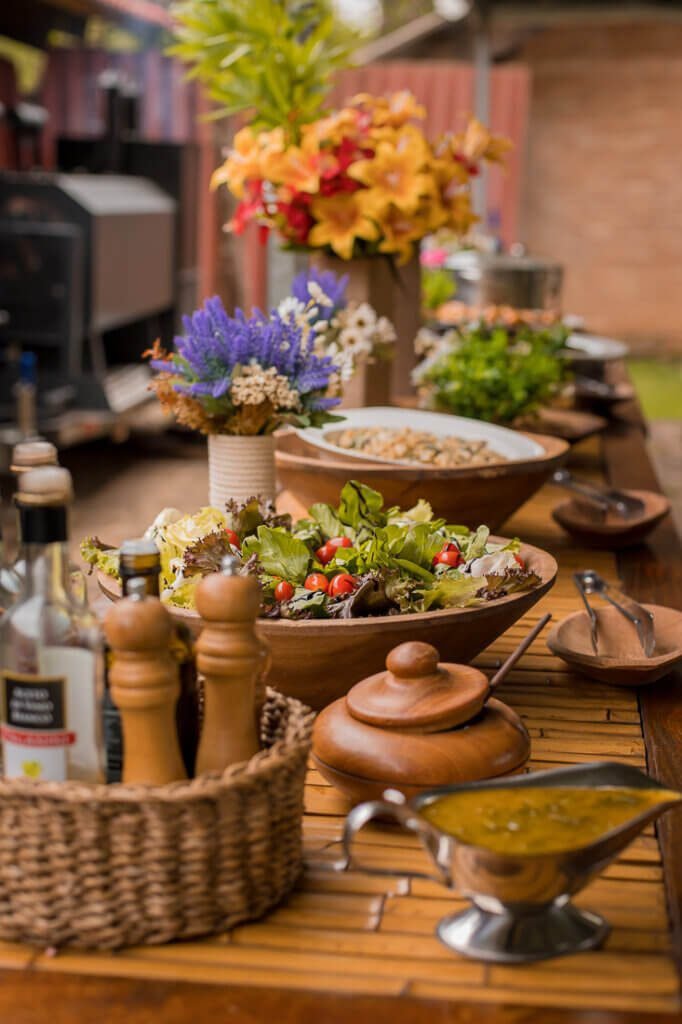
{"type": "Point", "coordinates": [108, 866]}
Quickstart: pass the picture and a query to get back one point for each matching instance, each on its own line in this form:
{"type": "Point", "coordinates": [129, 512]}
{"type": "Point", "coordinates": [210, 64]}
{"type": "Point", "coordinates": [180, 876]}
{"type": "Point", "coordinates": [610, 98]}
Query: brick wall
{"type": "Point", "coordinates": [603, 181]}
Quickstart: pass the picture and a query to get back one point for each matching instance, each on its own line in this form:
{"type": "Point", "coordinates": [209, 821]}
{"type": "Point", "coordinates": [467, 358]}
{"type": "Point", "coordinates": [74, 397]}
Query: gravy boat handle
{"type": "Point", "coordinates": [394, 806]}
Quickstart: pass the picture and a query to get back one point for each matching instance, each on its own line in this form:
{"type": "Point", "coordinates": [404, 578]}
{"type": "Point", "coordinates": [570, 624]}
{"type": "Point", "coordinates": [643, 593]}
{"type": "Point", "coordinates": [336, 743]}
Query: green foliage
{"type": "Point", "coordinates": [492, 374]}
{"type": "Point", "coordinates": [438, 286]}
{"type": "Point", "coordinates": [272, 59]}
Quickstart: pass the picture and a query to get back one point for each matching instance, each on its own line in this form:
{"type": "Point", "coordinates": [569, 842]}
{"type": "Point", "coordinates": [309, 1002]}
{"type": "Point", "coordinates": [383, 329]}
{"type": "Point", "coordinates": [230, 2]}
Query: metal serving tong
{"type": "Point", "coordinates": [589, 583]}
{"type": "Point", "coordinates": [611, 500]}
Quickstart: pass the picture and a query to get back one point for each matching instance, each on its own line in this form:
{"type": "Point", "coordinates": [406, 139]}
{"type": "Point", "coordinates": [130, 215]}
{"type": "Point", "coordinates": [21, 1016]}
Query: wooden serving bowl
{"type": "Point", "coordinates": [591, 527]}
{"type": "Point", "coordinates": [318, 661]}
{"type": "Point", "coordinates": [620, 660]}
{"type": "Point", "coordinates": [468, 496]}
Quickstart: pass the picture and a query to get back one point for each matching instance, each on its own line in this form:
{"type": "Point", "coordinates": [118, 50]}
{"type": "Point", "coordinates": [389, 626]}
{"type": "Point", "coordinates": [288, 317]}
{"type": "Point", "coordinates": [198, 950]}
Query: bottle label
{"type": "Point", "coordinates": [48, 728]}
{"type": "Point", "coordinates": [35, 737]}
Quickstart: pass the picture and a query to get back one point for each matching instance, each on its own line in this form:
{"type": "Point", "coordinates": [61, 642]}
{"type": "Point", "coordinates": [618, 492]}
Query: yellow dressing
{"type": "Point", "coordinates": [540, 819]}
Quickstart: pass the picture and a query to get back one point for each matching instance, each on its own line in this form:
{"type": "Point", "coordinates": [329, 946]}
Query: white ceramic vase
{"type": "Point", "coordinates": [240, 467]}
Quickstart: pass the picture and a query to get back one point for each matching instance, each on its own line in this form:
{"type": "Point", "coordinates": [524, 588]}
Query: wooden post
{"type": "Point", "coordinates": [145, 687]}
{"type": "Point", "coordinates": [229, 657]}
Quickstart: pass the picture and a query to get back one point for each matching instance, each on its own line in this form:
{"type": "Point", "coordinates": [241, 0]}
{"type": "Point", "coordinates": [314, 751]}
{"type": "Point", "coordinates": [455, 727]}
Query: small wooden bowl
{"type": "Point", "coordinates": [318, 661]}
{"type": "Point", "coordinates": [572, 425]}
{"type": "Point", "coordinates": [470, 495]}
{"type": "Point", "coordinates": [594, 528]}
{"type": "Point", "coordinates": [620, 660]}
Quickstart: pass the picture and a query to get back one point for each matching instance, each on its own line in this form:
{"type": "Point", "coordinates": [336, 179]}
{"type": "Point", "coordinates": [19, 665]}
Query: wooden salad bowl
{"type": "Point", "coordinates": [469, 496]}
{"type": "Point", "coordinates": [318, 661]}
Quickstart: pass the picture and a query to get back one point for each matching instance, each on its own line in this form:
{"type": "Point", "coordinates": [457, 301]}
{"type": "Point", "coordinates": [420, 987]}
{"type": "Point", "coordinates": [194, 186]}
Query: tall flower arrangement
{"type": "Point", "coordinates": [359, 181]}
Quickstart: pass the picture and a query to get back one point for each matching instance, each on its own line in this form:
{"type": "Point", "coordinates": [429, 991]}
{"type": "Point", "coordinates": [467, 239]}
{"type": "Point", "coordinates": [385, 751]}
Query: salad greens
{"type": "Point", "coordinates": [355, 560]}
{"type": "Point", "coordinates": [494, 373]}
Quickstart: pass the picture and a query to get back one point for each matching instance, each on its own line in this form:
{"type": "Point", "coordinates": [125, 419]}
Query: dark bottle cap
{"type": "Point", "coordinates": [140, 558]}
{"type": "Point", "coordinates": [42, 500]}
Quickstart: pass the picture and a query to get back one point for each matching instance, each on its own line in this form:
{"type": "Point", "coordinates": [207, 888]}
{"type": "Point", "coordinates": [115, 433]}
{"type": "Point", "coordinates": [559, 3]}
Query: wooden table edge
{"type": "Point", "coordinates": [653, 573]}
{"type": "Point", "coordinates": [32, 997]}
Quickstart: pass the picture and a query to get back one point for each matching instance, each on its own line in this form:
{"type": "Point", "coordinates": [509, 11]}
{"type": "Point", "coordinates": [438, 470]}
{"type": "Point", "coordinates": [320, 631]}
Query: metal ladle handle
{"type": "Point", "coordinates": [395, 807]}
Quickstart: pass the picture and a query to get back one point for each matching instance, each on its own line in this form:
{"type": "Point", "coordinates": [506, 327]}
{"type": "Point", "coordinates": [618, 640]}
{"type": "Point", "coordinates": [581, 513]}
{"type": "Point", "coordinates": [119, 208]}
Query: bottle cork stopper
{"type": "Point", "coordinates": [31, 454]}
{"type": "Point", "coordinates": [46, 485]}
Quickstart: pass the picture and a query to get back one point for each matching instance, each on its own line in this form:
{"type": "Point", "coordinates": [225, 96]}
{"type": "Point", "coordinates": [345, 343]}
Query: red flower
{"type": "Point", "coordinates": [297, 217]}
{"type": "Point", "coordinates": [471, 168]}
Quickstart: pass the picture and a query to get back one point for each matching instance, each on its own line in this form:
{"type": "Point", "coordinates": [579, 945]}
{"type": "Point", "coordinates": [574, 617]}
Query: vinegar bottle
{"type": "Point", "coordinates": [50, 649]}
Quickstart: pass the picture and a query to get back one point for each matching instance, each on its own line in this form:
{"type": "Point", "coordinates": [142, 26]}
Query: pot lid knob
{"type": "Point", "coordinates": [413, 660]}
{"type": "Point", "coordinates": [417, 693]}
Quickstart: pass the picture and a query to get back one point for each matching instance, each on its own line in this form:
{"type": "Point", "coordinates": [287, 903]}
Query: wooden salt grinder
{"type": "Point", "coordinates": [145, 687]}
{"type": "Point", "coordinates": [229, 657]}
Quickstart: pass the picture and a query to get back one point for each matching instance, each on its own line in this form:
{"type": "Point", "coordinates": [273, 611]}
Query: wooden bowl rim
{"type": "Point", "coordinates": [554, 449]}
{"type": "Point", "coordinates": [571, 655]}
{"type": "Point", "coordinates": [536, 558]}
{"type": "Point", "coordinates": [660, 508]}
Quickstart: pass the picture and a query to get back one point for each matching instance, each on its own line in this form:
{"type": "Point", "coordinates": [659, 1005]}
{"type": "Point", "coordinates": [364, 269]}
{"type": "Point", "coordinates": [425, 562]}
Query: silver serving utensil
{"type": "Point", "coordinates": [612, 500]}
{"type": "Point", "coordinates": [594, 388]}
{"type": "Point", "coordinates": [591, 583]}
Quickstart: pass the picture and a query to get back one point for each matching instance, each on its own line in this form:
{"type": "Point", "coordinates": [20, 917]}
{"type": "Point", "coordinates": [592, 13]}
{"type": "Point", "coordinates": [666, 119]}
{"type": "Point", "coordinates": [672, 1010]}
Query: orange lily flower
{"type": "Point", "coordinates": [340, 220]}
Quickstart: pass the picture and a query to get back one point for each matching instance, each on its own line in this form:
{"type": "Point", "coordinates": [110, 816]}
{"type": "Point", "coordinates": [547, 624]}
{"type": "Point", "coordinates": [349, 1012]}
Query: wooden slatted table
{"type": "Point", "coordinates": [360, 947]}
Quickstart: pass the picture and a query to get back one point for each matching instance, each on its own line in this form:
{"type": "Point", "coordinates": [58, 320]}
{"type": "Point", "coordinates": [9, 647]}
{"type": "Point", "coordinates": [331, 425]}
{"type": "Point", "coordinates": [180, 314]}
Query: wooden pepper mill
{"type": "Point", "coordinates": [145, 687]}
{"type": "Point", "coordinates": [230, 659]}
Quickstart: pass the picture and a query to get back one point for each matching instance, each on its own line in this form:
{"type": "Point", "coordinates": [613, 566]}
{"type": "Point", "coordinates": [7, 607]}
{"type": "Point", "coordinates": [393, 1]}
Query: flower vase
{"type": "Point", "coordinates": [240, 467]}
{"type": "Point", "coordinates": [394, 291]}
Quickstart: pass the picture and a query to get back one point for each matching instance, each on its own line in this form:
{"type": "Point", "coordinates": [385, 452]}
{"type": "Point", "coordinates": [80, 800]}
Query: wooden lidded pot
{"type": "Point", "coordinates": [418, 725]}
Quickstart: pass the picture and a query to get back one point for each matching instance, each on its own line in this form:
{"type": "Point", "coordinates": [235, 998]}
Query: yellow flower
{"type": "Point", "coordinates": [477, 143]}
{"type": "Point", "coordinates": [245, 159]}
{"type": "Point", "coordinates": [330, 130]}
{"type": "Point", "coordinates": [460, 216]}
{"type": "Point", "coordinates": [297, 167]}
{"type": "Point", "coordinates": [401, 232]}
{"type": "Point", "coordinates": [340, 220]}
{"type": "Point", "coordinates": [394, 171]}
{"type": "Point", "coordinates": [394, 110]}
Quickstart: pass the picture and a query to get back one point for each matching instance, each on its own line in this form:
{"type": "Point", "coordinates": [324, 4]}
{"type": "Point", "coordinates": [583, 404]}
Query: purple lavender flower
{"type": "Point", "coordinates": [215, 346]}
{"type": "Point", "coordinates": [333, 287]}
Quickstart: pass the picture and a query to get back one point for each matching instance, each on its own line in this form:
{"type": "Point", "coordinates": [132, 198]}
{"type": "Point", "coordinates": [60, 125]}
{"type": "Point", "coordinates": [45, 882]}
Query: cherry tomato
{"type": "Point", "coordinates": [343, 583]}
{"type": "Point", "coordinates": [316, 581]}
{"type": "Point", "coordinates": [283, 591]}
{"type": "Point", "coordinates": [233, 538]}
{"type": "Point", "coordinates": [519, 561]}
{"type": "Point", "coordinates": [325, 553]}
{"type": "Point", "coordinates": [339, 542]}
{"type": "Point", "coordinates": [451, 558]}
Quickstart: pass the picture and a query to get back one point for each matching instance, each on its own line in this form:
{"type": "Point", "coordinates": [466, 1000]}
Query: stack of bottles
{"type": "Point", "coordinates": [121, 704]}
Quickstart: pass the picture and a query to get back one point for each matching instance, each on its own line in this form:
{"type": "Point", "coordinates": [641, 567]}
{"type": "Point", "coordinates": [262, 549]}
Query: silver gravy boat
{"type": "Point", "coordinates": [521, 903]}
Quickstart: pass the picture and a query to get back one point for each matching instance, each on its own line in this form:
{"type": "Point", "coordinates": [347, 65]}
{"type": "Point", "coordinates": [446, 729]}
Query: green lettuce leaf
{"type": "Point", "coordinates": [360, 506]}
{"type": "Point", "coordinates": [100, 556]}
{"type": "Point", "coordinates": [420, 544]}
{"type": "Point", "coordinates": [452, 590]}
{"type": "Point", "coordinates": [474, 546]}
{"type": "Point", "coordinates": [328, 521]}
{"type": "Point", "coordinates": [280, 553]}
{"type": "Point", "coordinates": [419, 513]}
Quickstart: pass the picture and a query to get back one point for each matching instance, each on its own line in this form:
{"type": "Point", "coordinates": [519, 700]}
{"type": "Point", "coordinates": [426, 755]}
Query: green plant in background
{"type": "Point", "coordinates": [491, 373]}
{"type": "Point", "coordinates": [438, 286]}
{"type": "Point", "coordinates": [272, 59]}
